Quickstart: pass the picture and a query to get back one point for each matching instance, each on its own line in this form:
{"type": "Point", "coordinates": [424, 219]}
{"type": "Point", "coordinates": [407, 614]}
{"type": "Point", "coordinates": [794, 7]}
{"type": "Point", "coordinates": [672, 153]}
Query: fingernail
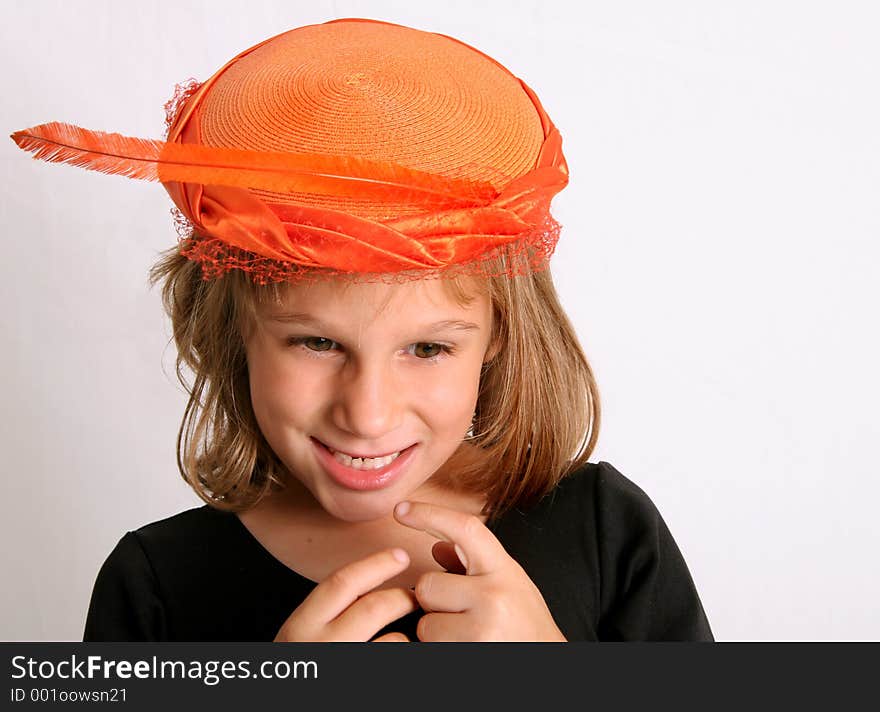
{"type": "Point", "coordinates": [400, 555]}
{"type": "Point", "coordinates": [461, 557]}
{"type": "Point", "coordinates": [402, 508]}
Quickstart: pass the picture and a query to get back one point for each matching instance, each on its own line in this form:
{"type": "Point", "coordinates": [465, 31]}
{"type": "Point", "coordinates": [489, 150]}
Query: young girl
{"type": "Point", "coordinates": [390, 415]}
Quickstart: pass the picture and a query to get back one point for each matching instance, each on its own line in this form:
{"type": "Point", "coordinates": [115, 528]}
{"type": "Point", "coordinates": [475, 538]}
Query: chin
{"type": "Point", "coordinates": [367, 510]}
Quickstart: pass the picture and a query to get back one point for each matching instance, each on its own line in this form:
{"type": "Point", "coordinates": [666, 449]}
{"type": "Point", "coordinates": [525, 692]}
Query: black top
{"type": "Point", "coordinates": [596, 548]}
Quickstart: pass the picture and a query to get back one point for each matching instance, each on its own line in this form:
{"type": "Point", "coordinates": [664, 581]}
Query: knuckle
{"type": "Point", "coordinates": [340, 579]}
{"type": "Point", "coordinates": [471, 526]}
{"type": "Point", "coordinates": [496, 605]}
{"type": "Point", "coordinates": [373, 605]}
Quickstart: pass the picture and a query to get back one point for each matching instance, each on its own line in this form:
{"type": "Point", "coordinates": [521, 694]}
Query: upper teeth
{"type": "Point", "coordinates": [364, 463]}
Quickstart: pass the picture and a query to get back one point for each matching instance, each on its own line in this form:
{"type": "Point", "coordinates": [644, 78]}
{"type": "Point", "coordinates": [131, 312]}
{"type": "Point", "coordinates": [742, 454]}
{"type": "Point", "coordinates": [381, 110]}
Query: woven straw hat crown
{"type": "Point", "coordinates": [384, 92]}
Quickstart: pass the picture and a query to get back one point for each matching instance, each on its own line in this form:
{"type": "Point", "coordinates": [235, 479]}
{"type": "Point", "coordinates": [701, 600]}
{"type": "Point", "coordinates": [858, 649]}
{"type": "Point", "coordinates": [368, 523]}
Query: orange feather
{"type": "Point", "coordinates": [153, 160]}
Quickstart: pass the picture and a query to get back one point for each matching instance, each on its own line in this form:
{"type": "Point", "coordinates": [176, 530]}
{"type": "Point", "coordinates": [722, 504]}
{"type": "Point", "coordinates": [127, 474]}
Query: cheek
{"type": "Point", "coordinates": [449, 400]}
{"type": "Point", "coordinates": [276, 396]}
{"type": "Point", "coordinates": [453, 395]}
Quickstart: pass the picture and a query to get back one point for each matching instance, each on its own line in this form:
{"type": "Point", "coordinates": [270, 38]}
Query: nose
{"type": "Point", "coordinates": [368, 402]}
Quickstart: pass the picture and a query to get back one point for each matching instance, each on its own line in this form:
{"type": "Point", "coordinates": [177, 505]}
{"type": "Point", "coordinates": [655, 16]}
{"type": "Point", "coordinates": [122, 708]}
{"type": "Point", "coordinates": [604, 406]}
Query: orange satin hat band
{"type": "Point", "coordinates": [349, 147]}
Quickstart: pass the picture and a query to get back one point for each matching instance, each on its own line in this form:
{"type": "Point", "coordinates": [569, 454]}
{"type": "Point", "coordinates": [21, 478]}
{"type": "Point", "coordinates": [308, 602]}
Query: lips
{"type": "Point", "coordinates": [363, 480]}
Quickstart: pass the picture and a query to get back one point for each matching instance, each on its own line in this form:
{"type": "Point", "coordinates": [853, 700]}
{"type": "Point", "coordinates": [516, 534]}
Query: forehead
{"type": "Point", "coordinates": [338, 302]}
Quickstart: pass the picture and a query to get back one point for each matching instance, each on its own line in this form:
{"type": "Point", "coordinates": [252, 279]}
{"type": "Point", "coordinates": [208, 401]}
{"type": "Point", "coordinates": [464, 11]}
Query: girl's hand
{"type": "Point", "coordinates": [496, 601]}
{"type": "Point", "coordinates": [344, 607]}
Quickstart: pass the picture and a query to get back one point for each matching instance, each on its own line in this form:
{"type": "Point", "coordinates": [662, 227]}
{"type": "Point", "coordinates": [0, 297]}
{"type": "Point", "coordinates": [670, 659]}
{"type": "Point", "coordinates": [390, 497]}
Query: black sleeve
{"type": "Point", "coordinates": [647, 592]}
{"type": "Point", "coordinates": [125, 604]}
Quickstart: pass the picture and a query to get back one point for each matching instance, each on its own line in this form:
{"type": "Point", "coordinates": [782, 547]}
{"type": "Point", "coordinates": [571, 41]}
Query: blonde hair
{"type": "Point", "coordinates": [537, 416]}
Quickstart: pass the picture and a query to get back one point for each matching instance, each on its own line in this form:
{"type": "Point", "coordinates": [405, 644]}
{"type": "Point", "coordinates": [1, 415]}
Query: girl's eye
{"type": "Point", "coordinates": [312, 339]}
{"type": "Point", "coordinates": [438, 349]}
{"type": "Point", "coordinates": [435, 352]}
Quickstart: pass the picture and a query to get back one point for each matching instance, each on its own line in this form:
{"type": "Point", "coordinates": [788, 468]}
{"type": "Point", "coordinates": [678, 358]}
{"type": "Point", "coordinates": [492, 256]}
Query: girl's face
{"type": "Point", "coordinates": [339, 367]}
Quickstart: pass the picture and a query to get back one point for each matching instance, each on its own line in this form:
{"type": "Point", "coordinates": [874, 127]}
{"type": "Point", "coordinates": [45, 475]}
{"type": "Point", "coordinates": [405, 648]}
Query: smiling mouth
{"type": "Point", "coordinates": [364, 475]}
{"type": "Point", "coordinates": [363, 457]}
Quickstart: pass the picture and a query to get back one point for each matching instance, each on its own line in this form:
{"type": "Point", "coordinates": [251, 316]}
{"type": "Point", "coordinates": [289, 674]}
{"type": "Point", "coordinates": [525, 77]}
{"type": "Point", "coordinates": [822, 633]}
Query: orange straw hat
{"type": "Point", "coordinates": [353, 148]}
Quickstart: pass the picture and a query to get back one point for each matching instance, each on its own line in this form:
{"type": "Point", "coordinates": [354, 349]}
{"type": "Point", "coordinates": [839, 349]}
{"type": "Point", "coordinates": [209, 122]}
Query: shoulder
{"type": "Point", "coordinates": [617, 511]}
{"type": "Point", "coordinates": [149, 575]}
{"type": "Point", "coordinates": [139, 550]}
{"type": "Point", "coordinates": [594, 506]}
{"type": "Point", "coordinates": [601, 489]}
{"type": "Point", "coordinates": [605, 560]}
{"type": "Point", "coordinates": [192, 523]}
{"type": "Point", "coordinates": [588, 525]}
{"type": "Point", "coordinates": [597, 510]}
{"type": "Point", "coordinates": [164, 554]}
{"type": "Point", "coordinates": [197, 542]}
{"type": "Point", "coordinates": [202, 539]}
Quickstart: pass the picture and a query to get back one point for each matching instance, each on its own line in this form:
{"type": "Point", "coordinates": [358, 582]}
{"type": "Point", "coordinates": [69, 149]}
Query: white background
{"type": "Point", "coordinates": [719, 259]}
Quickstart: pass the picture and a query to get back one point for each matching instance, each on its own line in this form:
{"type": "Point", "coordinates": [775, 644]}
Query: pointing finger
{"type": "Point", "coordinates": [346, 585]}
{"type": "Point", "coordinates": [477, 548]}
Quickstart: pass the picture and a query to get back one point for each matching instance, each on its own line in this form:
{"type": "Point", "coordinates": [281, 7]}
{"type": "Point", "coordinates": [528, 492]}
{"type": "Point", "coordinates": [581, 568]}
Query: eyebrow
{"type": "Point", "coordinates": [309, 320]}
